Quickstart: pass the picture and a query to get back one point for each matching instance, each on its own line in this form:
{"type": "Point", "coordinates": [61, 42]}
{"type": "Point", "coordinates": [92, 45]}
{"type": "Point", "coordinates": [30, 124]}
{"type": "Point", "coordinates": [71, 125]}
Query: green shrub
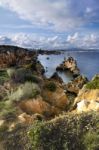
{"type": "Point", "coordinates": [94, 84]}
{"type": "Point", "coordinates": [22, 75]}
{"type": "Point", "coordinates": [7, 110]}
{"type": "Point", "coordinates": [51, 86]}
{"type": "Point", "coordinates": [31, 78]}
{"type": "Point", "coordinates": [18, 75]}
{"type": "Point", "coordinates": [68, 132]}
{"type": "Point", "coordinates": [2, 105]}
{"type": "Point", "coordinates": [3, 76]}
{"type": "Point", "coordinates": [34, 135]}
{"type": "Point", "coordinates": [91, 140]}
{"type": "Point", "coordinates": [11, 72]}
{"type": "Point", "coordinates": [25, 91]}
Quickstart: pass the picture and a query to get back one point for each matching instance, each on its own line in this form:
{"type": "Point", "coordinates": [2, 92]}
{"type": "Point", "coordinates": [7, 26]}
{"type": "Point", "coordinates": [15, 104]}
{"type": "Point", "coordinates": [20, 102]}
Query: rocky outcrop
{"type": "Point", "coordinates": [57, 98]}
{"type": "Point", "coordinates": [69, 64]}
{"type": "Point", "coordinates": [75, 85]}
{"type": "Point", "coordinates": [15, 56]}
{"type": "Point", "coordinates": [56, 77]}
{"type": "Point", "coordinates": [88, 97]}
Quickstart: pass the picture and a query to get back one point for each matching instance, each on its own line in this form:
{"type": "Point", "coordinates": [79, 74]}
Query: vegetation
{"type": "Point", "coordinates": [15, 139]}
{"type": "Point", "coordinates": [91, 140]}
{"type": "Point", "coordinates": [25, 91]}
{"type": "Point", "coordinates": [68, 132]}
{"type": "Point", "coordinates": [94, 84]}
{"type": "Point", "coordinates": [8, 111]}
{"type": "Point", "coordinates": [22, 75]}
{"type": "Point", "coordinates": [51, 86]}
{"type": "Point", "coordinates": [3, 76]}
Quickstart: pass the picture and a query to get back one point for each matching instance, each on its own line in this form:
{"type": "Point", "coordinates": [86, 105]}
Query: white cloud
{"type": "Point", "coordinates": [52, 42]}
{"type": "Point", "coordinates": [72, 38]}
{"type": "Point", "coordinates": [30, 41]}
{"type": "Point", "coordinates": [91, 40]}
{"type": "Point", "coordinates": [56, 14]}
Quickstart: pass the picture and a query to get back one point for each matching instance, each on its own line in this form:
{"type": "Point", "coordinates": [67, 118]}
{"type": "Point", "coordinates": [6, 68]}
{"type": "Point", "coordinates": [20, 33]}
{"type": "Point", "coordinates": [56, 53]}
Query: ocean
{"type": "Point", "coordinates": [87, 61]}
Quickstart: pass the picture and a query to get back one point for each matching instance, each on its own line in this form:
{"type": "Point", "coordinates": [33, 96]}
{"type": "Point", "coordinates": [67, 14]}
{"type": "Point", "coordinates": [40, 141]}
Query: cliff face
{"type": "Point", "coordinates": [14, 56]}
{"type": "Point", "coordinates": [88, 97]}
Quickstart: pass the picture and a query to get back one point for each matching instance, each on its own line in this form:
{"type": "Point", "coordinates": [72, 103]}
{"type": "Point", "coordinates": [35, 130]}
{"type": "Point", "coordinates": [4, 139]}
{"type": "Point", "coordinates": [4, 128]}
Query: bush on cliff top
{"type": "Point", "coordinates": [94, 84]}
{"type": "Point", "coordinates": [70, 132]}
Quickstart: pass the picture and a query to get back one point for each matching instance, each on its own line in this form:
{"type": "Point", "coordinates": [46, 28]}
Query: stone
{"type": "Point", "coordinates": [75, 85]}
{"type": "Point", "coordinates": [87, 100]}
{"type": "Point", "coordinates": [69, 64]}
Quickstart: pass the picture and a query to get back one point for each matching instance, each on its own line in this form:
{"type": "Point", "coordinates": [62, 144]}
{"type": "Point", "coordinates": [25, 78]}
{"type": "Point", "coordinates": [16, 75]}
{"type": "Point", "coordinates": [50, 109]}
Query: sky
{"type": "Point", "coordinates": [50, 24]}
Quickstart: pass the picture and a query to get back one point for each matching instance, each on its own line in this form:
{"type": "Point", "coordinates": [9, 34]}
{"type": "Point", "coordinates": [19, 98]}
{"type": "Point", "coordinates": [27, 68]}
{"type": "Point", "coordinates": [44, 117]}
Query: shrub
{"type": "Point", "coordinates": [3, 76]}
{"type": "Point", "coordinates": [25, 91]}
{"type": "Point", "coordinates": [31, 78]}
{"type": "Point", "coordinates": [34, 134]}
{"type": "Point", "coordinates": [8, 112]}
{"type": "Point", "coordinates": [67, 132]}
{"type": "Point", "coordinates": [22, 75]}
{"type": "Point", "coordinates": [51, 86]}
{"type": "Point", "coordinates": [94, 84]}
{"type": "Point", "coordinates": [11, 72]}
{"type": "Point", "coordinates": [3, 130]}
{"type": "Point", "coordinates": [18, 75]}
{"type": "Point", "coordinates": [91, 140]}
{"type": "Point", "coordinates": [2, 105]}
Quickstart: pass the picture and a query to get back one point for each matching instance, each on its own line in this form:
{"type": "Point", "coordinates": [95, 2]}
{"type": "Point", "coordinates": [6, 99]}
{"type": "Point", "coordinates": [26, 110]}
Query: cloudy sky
{"type": "Point", "coordinates": [51, 24]}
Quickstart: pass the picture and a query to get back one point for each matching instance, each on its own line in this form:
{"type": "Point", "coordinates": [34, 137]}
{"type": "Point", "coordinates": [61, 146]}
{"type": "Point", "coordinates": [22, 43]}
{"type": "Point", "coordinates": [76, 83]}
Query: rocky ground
{"type": "Point", "coordinates": [37, 113]}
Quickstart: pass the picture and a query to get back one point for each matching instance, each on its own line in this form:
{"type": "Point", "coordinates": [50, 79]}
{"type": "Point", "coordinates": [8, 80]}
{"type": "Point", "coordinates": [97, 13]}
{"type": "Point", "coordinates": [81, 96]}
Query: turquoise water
{"type": "Point", "coordinates": [88, 63]}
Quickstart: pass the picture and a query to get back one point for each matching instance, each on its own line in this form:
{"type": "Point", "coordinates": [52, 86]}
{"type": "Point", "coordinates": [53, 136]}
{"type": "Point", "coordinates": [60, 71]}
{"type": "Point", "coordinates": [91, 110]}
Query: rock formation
{"type": "Point", "coordinates": [15, 56]}
{"type": "Point", "coordinates": [56, 77]}
{"type": "Point", "coordinates": [88, 97]}
{"type": "Point", "coordinates": [75, 85]}
{"type": "Point", "coordinates": [69, 64]}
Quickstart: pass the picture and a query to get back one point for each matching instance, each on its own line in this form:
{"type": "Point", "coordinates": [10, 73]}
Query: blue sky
{"type": "Point", "coordinates": [49, 24]}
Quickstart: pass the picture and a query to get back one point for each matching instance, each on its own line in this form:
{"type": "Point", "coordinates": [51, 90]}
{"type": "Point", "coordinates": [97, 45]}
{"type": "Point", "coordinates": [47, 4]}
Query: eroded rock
{"type": "Point", "coordinates": [69, 64]}
{"type": "Point", "coordinates": [75, 85]}
{"type": "Point", "coordinates": [87, 100]}
{"type": "Point", "coordinates": [57, 98]}
{"type": "Point", "coordinates": [56, 77]}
